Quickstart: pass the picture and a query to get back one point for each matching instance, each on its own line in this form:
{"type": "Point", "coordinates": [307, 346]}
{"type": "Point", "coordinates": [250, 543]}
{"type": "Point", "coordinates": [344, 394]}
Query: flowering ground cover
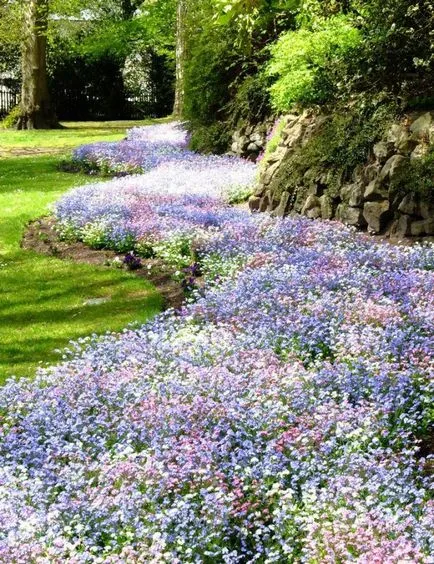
{"type": "Point", "coordinates": [283, 416]}
{"type": "Point", "coordinates": [142, 149]}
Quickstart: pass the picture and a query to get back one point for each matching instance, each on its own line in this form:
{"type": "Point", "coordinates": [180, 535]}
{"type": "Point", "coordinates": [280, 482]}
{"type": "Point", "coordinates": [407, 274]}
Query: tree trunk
{"type": "Point", "coordinates": [36, 109]}
{"type": "Point", "coordinates": [181, 11]}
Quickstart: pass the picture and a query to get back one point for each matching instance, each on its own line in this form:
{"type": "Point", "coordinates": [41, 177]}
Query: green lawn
{"type": "Point", "coordinates": [71, 135]}
{"type": "Point", "coordinates": [44, 302]}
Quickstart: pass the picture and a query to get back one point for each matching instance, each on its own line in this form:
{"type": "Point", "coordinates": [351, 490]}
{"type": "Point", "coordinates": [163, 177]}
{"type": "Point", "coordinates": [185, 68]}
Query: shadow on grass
{"type": "Point", "coordinates": [46, 302]}
{"type": "Point", "coordinates": [34, 174]}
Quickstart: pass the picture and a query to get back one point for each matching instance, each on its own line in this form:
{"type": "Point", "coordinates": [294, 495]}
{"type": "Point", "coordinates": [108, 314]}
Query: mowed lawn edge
{"type": "Point", "coordinates": [46, 302]}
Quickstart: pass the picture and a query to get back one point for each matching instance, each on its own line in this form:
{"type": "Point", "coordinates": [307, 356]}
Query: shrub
{"type": "Point", "coordinates": [298, 58]}
{"type": "Point", "coordinates": [11, 119]}
{"type": "Point", "coordinates": [417, 178]}
{"type": "Point", "coordinates": [213, 138]}
{"type": "Point", "coordinates": [251, 101]}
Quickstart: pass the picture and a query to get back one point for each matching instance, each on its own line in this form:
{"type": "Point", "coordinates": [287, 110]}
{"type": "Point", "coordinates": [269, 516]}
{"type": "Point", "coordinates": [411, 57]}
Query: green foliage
{"type": "Point", "coordinates": [251, 100]}
{"type": "Point", "coordinates": [225, 48]}
{"type": "Point", "coordinates": [11, 119]}
{"type": "Point", "coordinates": [238, 195]}
{"type": "Point", "coordinates": [94, 235]}
{"type": "Point", "coordinates": [254, 19]}
{"type": "Point", "coordinates": [396, 54]}
{"type": "Point", "coordinates": [298, 58]}
{"type": "Point", "coordinates": [212, 138]}
{"type": "Point", "coordinates": [176, 252]}
{"type": "Point", "coordinates": [416, 178]}
{"type": "Point", "coordinates": [274, 139]}
{"type": "Point", "coordinates": [208, 74]}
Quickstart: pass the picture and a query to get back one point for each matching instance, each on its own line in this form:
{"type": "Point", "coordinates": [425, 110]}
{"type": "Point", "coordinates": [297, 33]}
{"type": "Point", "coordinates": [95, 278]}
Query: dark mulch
{"type": "Point", "coordinates": [41, 237]}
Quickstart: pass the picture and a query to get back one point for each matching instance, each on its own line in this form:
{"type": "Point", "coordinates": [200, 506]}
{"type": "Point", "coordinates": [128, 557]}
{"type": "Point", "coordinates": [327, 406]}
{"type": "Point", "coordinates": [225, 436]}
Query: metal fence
{"type": "Point", "coordinates": [8, 99]}
{"type": "Point", "coordinates": [72, 105]}
{"type": "Point", "coordinates": [80, 106]}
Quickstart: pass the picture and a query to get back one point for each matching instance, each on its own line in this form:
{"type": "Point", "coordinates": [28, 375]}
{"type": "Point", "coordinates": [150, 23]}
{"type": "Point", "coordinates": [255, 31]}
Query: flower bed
{"type": "Point", "coordinates": [169, 212]}
{"type": "Point", "coordinates": [144, 149]}
{"type": "Point", "coordinates": [276, 419]}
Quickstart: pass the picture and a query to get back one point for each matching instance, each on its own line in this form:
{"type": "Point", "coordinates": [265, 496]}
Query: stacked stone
{"type": "Point", "coordinates": [367, 201]}
{"type": "Point", "coordinates": [249, 141]}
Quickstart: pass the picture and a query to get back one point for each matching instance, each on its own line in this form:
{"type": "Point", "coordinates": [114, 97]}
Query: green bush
{"type": "Point", "coordinates": [299, 59]}
{"type": "Point", "coordinates": [251, 101]}
{"type": "Point", "coordinates": [213, 138]}
{"type": "Point", "coordinates": [396, 53]}
{"type": "Point", "coordinates": [12, 118]}
{"type": "Point", "coordinates": [417, 178]}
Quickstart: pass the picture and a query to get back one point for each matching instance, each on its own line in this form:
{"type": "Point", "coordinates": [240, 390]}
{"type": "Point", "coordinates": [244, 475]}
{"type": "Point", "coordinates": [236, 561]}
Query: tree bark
{"type": "Point", "coordinates": [181, 12]}
{"type": "Point", "coordinates": [36, 109]}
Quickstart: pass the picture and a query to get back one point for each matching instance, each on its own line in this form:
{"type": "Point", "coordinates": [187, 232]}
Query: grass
{"type": "Point", "coordinates": [46, 302]}
{"type": "Point", "coordinates": [71, 135]}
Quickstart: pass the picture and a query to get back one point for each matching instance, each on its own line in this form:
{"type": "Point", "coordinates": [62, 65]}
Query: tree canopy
{"type": "Point", "coordinates": [243, 59]}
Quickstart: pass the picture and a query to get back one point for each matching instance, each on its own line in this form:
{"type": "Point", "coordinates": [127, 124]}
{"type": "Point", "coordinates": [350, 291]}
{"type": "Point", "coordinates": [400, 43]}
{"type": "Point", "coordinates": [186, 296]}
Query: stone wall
{"type": "Point", "coordinates": [364, 198]}
{"type": "Point", "coordinates": [250, 140]}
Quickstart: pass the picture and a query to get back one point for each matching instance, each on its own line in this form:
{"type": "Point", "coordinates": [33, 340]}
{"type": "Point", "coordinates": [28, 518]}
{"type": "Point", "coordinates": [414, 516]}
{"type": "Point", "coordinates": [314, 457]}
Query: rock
{"type": "Point", "coordinates": [409, 205]}
{"type": "Point", "coordinates": [423, 227]}
{"type": "Point", "coordinates": [257, 138]}
{"type": "Point", "coordinates": [314, 213]}
{"type": "Point", "coordinates": [383, 150]}
{"type": "Point", "coordinates": [243, 142]}
{"type": "Point", "coordinates": [96, 301]}
{"type": "Point", "coordinates": [265, 202]}
{"type": "Point", "coordinates": [234, 147]}
{"type": "Point", "coordinates": [406, 144]}
{"type": "Point", "coordinates": [273, 202]}
{"type": "Point", "coordinates": [377, 214]}
{"type": "Point", "coordinates": [278, 155]}
{"type": "Point", "coordinates": [312, 207]}
{"type": "Point", "coordinates": [254, 203]}
{"type": "Point", "coordinates": [420, 128]}
{"type": "Point", "coordinates": [401, 227]}
{"type": "Point", "coordinates": [392, 167]}
{"type": "Point", "coordinates": [283, 207]}
{"type": "Point", "coordinates": [295, 136]}
{"type": "Point", "coordinates": [253, 148]}
{"type": "Point", "coordinates": [396, 132]}
{"type": "Point", "coordinates": [322, 178]}
{"type": "Point", "coordinates": [315, 189]}
{"type": "Point", "coordinates": [350, 215]}
{"type": "Point", "coordinates": [426, 209]}
{"type": "Point", "coordinates": [420, 151]}
{"type": "Point", "coordinates": [308, 132]}
{"type": "Point", "coordinates": [371, 172]}
{"type": "Point", "coordinates": [326, 206]}
{"type": "Point", "coordinates": [310, 203]}
{"type": "Point", "coordinates": [375, 190]}
{"type": "Point", "coordinates": [352, 194]}
{"type": "Point", "coordinates": [357, 175]}
{"type": "Point", "coordinates": [267, 175]}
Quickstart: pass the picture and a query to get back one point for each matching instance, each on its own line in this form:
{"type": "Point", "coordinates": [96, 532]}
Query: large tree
{"type": "Point", "coordinates": [36, 109]}
{"type": "Point", "coordinates": [180, 55]}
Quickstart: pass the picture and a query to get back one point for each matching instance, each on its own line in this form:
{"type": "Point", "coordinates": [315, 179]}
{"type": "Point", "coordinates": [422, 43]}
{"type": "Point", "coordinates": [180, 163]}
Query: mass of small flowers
{"type": "Point", "coordinates": [143, 149]}
{"type": "Point", "coordinates": [282, 416]}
